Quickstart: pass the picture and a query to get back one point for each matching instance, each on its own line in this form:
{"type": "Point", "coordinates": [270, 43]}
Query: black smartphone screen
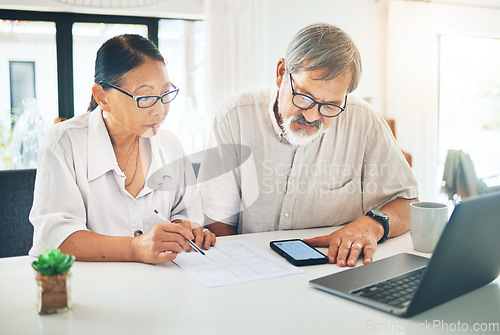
{"type": "Point", "coordinates": [298, 252]}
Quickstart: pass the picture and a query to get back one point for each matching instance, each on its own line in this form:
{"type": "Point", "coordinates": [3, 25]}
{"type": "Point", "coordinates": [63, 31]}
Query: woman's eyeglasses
{"type": "Point", "coordinates": [146, 101]}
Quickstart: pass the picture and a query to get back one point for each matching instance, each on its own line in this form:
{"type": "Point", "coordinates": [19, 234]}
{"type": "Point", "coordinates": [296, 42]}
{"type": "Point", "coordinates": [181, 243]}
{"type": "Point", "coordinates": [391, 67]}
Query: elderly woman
{"type": "Point", "coordinates": [101, 175]}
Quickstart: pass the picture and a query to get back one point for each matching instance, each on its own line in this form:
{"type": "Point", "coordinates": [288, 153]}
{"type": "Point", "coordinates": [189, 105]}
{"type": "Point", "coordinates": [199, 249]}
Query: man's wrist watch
{"type": "Point", "coordinates": [383, 219]}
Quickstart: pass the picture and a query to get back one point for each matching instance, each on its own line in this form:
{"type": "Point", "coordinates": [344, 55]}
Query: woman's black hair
{"type": "Point", "coordinates": [119, 55]}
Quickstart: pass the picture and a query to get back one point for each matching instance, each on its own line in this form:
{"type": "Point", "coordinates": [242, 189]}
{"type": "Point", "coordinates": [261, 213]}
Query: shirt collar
{"type": "Point", "coordinates": [277, 129]}
{"type": "Point", "coordinates": [160, 167]}
{"type": "Point", "coordinates": [101, 156]}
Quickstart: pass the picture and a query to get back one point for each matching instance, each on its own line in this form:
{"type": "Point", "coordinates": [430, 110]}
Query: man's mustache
{"type": "Point", "coordinates": [301, 118]}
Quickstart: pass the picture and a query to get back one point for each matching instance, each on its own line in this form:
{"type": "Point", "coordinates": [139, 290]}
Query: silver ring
{"type": "Point", "coordinates": [359, 245]}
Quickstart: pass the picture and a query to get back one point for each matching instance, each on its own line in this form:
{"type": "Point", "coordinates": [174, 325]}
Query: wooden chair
{"type": "Point", "coordinates": [392, 125]}
{"type": "Point", "coordinates": [59, 119]}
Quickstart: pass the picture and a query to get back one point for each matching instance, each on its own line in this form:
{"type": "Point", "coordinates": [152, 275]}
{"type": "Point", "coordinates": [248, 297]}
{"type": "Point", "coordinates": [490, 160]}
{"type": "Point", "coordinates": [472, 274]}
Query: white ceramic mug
{"type": "Point", "coordinates": [427, 221]}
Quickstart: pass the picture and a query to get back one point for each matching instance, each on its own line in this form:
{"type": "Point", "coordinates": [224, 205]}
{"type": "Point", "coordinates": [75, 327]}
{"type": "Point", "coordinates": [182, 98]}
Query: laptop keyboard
{"type": "Point", "coordinates": [396, 291]}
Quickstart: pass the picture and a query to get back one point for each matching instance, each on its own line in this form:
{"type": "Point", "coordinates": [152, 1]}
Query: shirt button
{"type": "Point", "coordinates": [292, 181]}
{"type": "Point", "coordinates": [138, 233]}
{"type": "Point", "coordinates": [287, 215]}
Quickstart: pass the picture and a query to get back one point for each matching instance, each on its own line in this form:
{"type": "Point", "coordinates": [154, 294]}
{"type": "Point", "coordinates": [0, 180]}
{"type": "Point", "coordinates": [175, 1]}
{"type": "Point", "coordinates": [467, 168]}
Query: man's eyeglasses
{"type": "Point", "coordinates": [146, 101]}
{"type": "Point", "coordinates": [303, 101]}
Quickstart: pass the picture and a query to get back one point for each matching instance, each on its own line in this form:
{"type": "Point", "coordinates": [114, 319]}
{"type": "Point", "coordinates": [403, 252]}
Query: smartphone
{"type": "Point", "coordinates": [298, 252]}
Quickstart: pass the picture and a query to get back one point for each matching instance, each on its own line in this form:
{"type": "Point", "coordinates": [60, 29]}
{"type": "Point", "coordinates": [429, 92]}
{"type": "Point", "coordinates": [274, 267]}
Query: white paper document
{"type": "Point", "coordinates": [232, 262]}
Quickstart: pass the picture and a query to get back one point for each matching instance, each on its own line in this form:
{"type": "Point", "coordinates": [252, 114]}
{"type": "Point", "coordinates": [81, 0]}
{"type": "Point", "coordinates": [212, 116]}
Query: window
{"type": "Point", "coordinates": [62, 68]}
{"type": "Point", "coordinates": [469, 102]}
{"type": "Point", "coordinates": [182, 43]}
{"type": "Point", "coordinates": [27, 74]}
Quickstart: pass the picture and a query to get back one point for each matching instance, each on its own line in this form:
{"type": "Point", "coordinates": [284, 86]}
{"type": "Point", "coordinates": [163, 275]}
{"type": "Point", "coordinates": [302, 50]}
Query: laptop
{"type": "Point", "coordinates": [465, 258]}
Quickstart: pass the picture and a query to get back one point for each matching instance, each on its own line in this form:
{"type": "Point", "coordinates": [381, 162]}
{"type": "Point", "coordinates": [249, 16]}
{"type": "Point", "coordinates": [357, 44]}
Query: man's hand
{"type": "Point", "coordinates": [361, 236]}
{"type": "Point", "coordinates": [348, 243]}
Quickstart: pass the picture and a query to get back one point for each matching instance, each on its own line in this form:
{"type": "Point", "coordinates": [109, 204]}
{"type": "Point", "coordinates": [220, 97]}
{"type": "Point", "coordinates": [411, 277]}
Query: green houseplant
{"type": "Point", "coordinates": [53, 279]}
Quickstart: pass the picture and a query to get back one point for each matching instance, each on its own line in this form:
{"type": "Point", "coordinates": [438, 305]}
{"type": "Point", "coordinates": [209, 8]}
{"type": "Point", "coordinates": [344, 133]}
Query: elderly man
{"type": "Point", "coordinates": [309, 154]}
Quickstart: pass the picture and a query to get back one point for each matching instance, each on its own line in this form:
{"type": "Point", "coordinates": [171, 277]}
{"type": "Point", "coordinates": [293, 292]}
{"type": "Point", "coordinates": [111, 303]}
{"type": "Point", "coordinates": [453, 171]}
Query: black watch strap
{"type": "Point", "coordinates": [383, 219]}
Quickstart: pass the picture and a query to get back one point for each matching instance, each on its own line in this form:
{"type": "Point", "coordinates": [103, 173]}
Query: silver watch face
{"type": "Point", "coordinates": [379, 213]}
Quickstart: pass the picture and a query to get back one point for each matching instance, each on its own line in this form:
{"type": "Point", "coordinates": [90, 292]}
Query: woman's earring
{"type": "Point", "coordinates": [104, 114]}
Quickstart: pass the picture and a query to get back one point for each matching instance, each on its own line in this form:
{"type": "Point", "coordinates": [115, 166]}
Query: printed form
{"type": "Point", "coordinates": [232, 262]}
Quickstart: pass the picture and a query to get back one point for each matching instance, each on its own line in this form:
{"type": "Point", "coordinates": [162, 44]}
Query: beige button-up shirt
{"type": "Point", "coordinates": [79, 185]}
{"type": "Point", "coordinates": [254, 179]}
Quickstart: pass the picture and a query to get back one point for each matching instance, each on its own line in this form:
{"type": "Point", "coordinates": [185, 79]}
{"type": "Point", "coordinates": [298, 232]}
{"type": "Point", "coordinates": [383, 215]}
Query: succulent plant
{"type": "Point", "coordinates": [52, 262]}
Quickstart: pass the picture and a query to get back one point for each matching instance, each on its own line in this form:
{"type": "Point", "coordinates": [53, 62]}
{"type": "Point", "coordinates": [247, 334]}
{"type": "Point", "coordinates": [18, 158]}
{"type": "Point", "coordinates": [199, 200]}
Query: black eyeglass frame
{"type": "Point", "coordinates": [140, 97]}
{"type": "Point", "coordinates": [314, 102]}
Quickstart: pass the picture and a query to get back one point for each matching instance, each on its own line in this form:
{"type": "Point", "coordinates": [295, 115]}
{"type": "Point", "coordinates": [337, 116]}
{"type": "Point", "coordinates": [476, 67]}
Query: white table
{"type": "Point", "coordinates": [133, 298]}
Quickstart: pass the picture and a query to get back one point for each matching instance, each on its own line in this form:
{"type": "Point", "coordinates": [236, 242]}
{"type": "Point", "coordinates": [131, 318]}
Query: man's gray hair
{"type": "Point", "coordinates": [325, 46]}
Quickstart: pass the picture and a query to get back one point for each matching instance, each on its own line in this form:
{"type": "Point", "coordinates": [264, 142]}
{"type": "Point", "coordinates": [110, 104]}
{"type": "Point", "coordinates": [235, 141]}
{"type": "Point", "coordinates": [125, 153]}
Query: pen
{"type": "Point", "coordinates": [161, 216]}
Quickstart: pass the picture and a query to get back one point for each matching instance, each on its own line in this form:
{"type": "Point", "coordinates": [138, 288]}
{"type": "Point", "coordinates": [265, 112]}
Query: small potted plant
{"type": "Point", "coordinates": [53, 279]}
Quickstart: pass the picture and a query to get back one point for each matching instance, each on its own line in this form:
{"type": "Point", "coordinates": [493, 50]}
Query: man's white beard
{"type": "Point", "coordinates": [299, 137]}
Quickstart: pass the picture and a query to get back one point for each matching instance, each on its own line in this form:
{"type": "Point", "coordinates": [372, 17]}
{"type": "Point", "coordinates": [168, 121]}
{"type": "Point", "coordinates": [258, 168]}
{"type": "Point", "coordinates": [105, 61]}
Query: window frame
{"type": "Point", "coordinates": [64, 43]}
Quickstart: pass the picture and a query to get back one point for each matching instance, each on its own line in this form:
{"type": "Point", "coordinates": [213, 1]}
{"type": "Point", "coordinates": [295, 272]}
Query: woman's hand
{"type": "Point", "coordinates": [161, 243]}
{"type": "Point", "coordinates": [203, 238]}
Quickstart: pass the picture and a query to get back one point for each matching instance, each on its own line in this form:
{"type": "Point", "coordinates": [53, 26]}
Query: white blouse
{"type": "Point", "coordinates": [79, 185]}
